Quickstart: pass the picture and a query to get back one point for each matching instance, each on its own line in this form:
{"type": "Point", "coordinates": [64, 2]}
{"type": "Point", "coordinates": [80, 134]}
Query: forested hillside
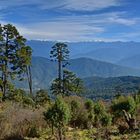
{"type": "Point", "coordinates": [108, 88]}
{"type": "Point", "coordinates": [82, 67]}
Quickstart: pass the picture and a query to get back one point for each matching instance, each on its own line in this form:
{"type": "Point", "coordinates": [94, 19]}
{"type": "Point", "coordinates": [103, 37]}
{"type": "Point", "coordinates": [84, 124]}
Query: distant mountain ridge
{"type": "Point", "coordinates": [103, 51]}
{"type": "Point", "coordinates": [132, 61]}
{"type": "Point", "coordinates": [44, 70]}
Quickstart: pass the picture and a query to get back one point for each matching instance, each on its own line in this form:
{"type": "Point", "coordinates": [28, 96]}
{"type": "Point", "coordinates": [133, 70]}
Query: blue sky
{"type": "Point", "coordinates": [74, 20]}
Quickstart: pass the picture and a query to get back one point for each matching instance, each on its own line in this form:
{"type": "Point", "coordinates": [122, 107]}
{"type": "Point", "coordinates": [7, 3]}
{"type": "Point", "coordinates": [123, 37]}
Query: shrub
{"type": "Point", "coordinates": [123, 103]}
{"type": "Point", "coordinates": [41, 98]}
{"type": "Point", "coordinates": [58, 116]}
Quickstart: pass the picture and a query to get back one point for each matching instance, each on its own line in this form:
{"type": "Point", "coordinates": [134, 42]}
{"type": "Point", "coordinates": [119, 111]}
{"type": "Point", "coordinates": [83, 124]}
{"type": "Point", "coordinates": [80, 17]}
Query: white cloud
{"type": "Point", "coordinates": [114, 18]}
{"type": "Point", "coordinates": [59, 30]}
{"type": "Point", "coordinates": [89, 5]}
{"type": "Point", "coordinates": [123, 21]}
{"type": "Point", "coordinates": [77, 28]}
{"type": "Point", "coordinates": [15, 3]}
{"type": "Point", "coordinates": [78, 5]}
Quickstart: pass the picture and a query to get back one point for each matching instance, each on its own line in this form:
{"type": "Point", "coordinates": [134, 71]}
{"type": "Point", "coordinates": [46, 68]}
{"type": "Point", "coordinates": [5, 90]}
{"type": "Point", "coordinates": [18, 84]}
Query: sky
{"type": "Point", "coordinates": [74, 20]}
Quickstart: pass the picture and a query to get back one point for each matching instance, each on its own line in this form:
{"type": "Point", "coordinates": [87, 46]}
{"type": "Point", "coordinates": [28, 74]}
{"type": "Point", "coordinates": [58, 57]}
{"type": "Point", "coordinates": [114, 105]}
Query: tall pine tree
{"type": "Point", "coordinates": [60, 53]}
{"type": "Point", "coordinates": [15, 56]}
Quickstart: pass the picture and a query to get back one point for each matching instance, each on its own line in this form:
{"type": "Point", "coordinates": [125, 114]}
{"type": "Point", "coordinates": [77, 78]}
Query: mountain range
{"type": "Point", "coordinates": [112, 52]}
{"type": "Point", "coordinates": [44, 70]}
{"type": "Point", "coordinates": [103, 66]}
{"type": "Point", "coordinates": [132, 61]}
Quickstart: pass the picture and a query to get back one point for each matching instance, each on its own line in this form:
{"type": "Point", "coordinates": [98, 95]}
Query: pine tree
{"type": "Point", "coordinates": [15, 56]}
{"type": "Point", "coordinates": [60, 53]}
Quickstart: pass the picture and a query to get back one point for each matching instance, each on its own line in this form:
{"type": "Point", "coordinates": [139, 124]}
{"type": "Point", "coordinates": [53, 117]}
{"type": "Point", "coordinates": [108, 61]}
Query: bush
{"type": "Point", "coordinates": [58, 116]}
{"type": "Point", "coordinates": [41, 98]}
{"type": "Point", "coordinates": [123, 103]}
{"type": "Point", "coordinates": [89, 105]}
{"type": "Point", "coordinates": [16, 95]}
{"type": "Point", "coordinates": [106, 119]}
{"type": "Point", "coordinates": [20, 96]}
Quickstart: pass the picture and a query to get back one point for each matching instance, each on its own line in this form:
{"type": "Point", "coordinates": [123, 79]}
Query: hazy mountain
{"type": "Point", "coordinates": [113, 52]}
{"type": "Point", "coordinates": [133, 61]}
{"type": "Point", "coordinates": [45, 70]}
{"type": "Point", "coordinates": [104, 51]}
{"type": "Point", "coordinates": [85, 67]}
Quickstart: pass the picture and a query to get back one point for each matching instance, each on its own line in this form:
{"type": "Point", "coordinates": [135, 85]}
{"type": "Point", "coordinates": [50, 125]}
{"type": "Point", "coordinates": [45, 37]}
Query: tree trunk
{"type": "Point", "coordinates": [30, 81]}
{"type": "Point", "coordinates": [130, 121]}
{"type": "Point", "coordinates": [4, 86]}
{"type": "Point", "coordinates": [5, 73]}
{"type": "Point", "coordinates": [59, 76]}
{"type": "Point", "coordinates": [5, 77]}
{"type": "Point", "coordinates": [60, 134]}
{"type": "Point", "coordinates": [29, 78]}
{"type": "Point", "coordinates": [52, 130]}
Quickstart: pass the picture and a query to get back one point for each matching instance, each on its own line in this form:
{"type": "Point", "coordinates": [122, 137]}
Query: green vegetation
{"type": "Point", "coordinates": [69, 118]}
{"type": "Point", "coordinates": [66, 116]}
{"type": "Point", "coordinates": [67, 83]}
{"type": "Point", "coordinates": [58, 116]}
{"type": "Point", "coordinates": [59, 53]}
{"type": "Point", "coordinates": [15, 57]}
{"type": "Point", "coordinates": [107, 88]}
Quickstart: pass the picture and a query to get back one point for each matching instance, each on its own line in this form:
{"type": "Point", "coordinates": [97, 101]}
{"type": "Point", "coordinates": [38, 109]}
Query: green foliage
{"type": "Point", "coordinates": [60, 53]}
{"type": "Point", "coordinates": [107, 88]}
{"type": "Point", "coordinates": [58, 116]}
{"type": "Point", "coordinates": [81, 117]}
{"type": "Point", "coordinates": [17, 95]}
{"type": "Point", "coordinates": [75, 108]}
{"type": "Point", "coordinates": [28, 101]}
{"type": "Point", "coordinates": [126, 103]}
{"type": "Point", "coordinates": [59, 113]}
{"type": "Point", "coordinates": [99, 109]}
{"type": "Point", "coordinates": [71, 83]}
{"type": "Point", "coordinates": [90, 112]}
{"type": "Point", "coordinates": [102, 117]}
{"type": "Point", "coordinates": [106, 119]}
{"type": "Point", "coordinates": [15, 56]}
{"type": "Point", "coordinates": [55, 87]}
{"type": "Point", "coordinates": [41, 97]}
{"type": "Point", "coordinates": [1, 95]}
{"type": "Point", "coordinates": [89, 105]}
{"type": "Point", "coordinates": [137, 98]}
{"type": "Point", "coordinates": [74, 105]}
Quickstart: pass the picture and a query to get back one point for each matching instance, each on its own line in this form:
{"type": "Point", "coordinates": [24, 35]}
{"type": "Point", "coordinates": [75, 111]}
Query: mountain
{"type": "Point", "coordinates": [97, 87]}
{"type": "Point", "coordinates": [44, 70]}
{"type": "Point", "coordinates": [42, 48]}
{"type": "Point", "coordinates": [133, 61]}
{"type": "Point", "coordinates": [112, 52]}
{"type": "Point", "coordinates": [103, 51]}
{"type": "Point", "coordinates": [85, 67]}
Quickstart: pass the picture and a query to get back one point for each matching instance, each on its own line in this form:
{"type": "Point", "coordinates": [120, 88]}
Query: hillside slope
{"type": "Point", "coordinates": [133, 61]}
{"type": "Point", "coordinates": [97, 87]}
{"type": "Point", "coordinates": [44, 70]}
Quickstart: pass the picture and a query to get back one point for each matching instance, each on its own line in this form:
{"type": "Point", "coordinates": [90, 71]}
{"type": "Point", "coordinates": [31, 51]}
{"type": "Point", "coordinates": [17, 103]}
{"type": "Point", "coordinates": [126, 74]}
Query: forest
{"type": "Point", "coordinates": [65, 111]}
